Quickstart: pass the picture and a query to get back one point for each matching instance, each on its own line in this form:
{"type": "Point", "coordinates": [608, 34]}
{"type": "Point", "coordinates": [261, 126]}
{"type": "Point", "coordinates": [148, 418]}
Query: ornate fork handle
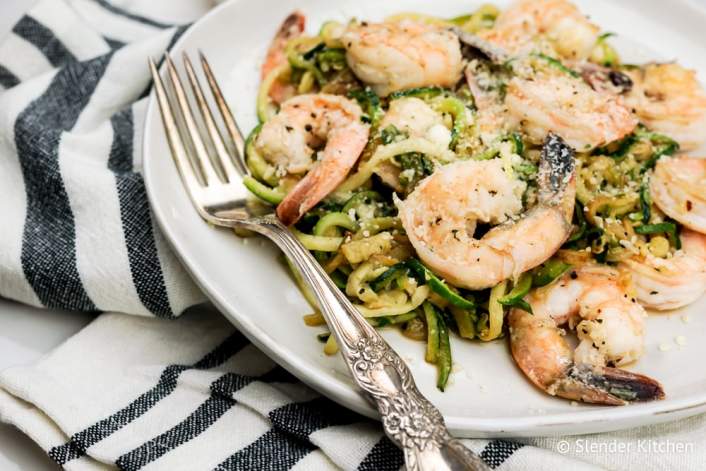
{"type": "Point", "coordinates": [409, 419]}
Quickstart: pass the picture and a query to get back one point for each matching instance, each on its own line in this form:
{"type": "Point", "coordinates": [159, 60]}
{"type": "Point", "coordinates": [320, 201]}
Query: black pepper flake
{"type": "Point", "coordinates": [574, 275]}
{"type": "Point", "coordinates": [688, 205]}
{"type": "Point", "coordinates": [652, 293]}
{"type": "Point", "coordinates": [308, 128]}
{"type": "Point", "coordinates": [289, 128]}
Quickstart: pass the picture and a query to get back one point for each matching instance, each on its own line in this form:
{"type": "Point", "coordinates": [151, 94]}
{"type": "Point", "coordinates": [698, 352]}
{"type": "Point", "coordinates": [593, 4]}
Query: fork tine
{"type": "Point", "coordinates": [225, 159]}
{"type": "Point", "coordinates": [186, 170]}
{"type": "Point", "coordinates": [231, 125]}
{"type": "Point", "coordinates": [202, 157]}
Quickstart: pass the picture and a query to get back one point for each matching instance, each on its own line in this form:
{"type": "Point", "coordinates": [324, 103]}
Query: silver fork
{"type": "Point", "coordinates": [213, 180]}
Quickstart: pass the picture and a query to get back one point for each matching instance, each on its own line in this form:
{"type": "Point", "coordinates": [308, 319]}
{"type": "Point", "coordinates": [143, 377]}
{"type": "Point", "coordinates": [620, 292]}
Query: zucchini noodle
{"type": "Point", "coordinates": [304, 288]}
{"type": "Point", "coordinates": [333, 220]}
{"type": "Point", "coordinates": [495, 313]}
{"type": "Point", "coordinates": [296, 59]}
{"type": "Point", "coordinates": [419, 296]}
{"type": "Point", "coordinates": [265, 107]}
{"type": "Point", "coordinates": [319, 243]}
{"type": "Point", "coordinates": [386, 152]}
{"type": "Point", "coordinates": [357, 286]}
{"type": "Point", "coordinates": [263, 192]}
{"type": "Point", "coordinates": [354, 231]}
{"type": "Point", "coordinates": [307, 83]}
{"type": "Point", "coordinates": [256, 163]}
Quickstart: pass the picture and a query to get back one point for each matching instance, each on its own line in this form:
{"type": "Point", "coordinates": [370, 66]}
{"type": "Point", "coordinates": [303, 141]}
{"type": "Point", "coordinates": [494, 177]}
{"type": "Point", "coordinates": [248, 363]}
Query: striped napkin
{"type": "Point", "coordinates": [133, 391]}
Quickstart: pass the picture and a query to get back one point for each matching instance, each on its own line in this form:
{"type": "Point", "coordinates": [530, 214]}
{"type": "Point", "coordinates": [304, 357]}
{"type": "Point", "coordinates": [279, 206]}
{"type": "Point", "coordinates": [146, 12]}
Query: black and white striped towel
{"type": "Point", "coordinates": [132, 392]}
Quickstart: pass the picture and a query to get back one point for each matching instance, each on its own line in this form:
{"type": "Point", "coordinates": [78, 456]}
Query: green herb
{"type": "Point", "coordinates": [424, 93]}
{"type": "Point", "coordinates": [663, 146]}
{"type": "Point", "coordinates": [370, 103]}
{"type": "Point", "coordinates": [390, 134]}
{"type": "Point", "coordinates": [361, 198]}
{"type": "Point", "coordinates": [517, 143]}
{"type": "Point", "coordinates": [331, 60]}
{"type": "Point", "coordinates": [421, 165]}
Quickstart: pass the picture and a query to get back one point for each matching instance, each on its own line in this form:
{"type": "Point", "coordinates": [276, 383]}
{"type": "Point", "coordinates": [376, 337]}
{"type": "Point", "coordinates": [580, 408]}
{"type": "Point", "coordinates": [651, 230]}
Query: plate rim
{"type": "Point", "coordinates": [540, 425]}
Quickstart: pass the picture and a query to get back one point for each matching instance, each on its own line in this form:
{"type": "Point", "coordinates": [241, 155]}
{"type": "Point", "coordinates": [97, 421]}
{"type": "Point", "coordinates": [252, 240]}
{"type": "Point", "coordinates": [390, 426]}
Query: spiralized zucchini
{"type": "Point", "coordinates": [265, 108]}
{"type": "Point", "coordinates": [386, 153]}
{"type": "Point", "coordinates": [357, 236]}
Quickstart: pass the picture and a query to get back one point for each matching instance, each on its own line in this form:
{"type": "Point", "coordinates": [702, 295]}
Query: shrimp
{"type": "Point", "coordinates": [288, 141]}
{"type": "Point", "coordinates": [414, 118]}
{"type": "Point", "coordinates": [440, 218]}
{"type": "Point", "coordinates": [400, 55]}
{"type": "Point", "coordinates": [674, 282]}
{"type": "Point", "coordinates": [678, 187]}
{"type": "Point", "coordinates": [566, 28]}
{"type": "Point", "coordinates": [609, 325]}
{"type": "Point", "coordinates": [292, 27]}
{"type": "Point", "coordinates": [584, 118]}
{"type": "Point", "coordinates": [669, 99]}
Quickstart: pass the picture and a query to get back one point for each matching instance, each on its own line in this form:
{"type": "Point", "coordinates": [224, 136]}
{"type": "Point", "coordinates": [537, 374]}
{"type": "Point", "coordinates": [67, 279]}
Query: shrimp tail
{"type": "Point", "coordinates": [556, 175]}
{"type": "Point", "coordinates": [474, 45]}
{"type": "Point", "coordinates": [605, 385]}
{"type": "Point", "coordinates": [292, 27]}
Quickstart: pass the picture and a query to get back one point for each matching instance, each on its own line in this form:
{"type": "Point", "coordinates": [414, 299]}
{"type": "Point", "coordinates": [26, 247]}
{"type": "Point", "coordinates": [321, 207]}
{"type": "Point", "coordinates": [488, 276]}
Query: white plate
{"type": "Point", "coordinates": [487, 395]}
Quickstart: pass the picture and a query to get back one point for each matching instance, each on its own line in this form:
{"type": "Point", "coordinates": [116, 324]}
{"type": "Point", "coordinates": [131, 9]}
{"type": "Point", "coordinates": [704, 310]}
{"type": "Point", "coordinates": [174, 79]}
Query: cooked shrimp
{"type": "Point", "coordinates": [415, 118]}
{"type": "Point", "coordinates": [672, 282]}
{"type": "Point", "coordinates": [559, 21]}
{"type": "Point", "coordinates": [584, 118]}
{"type": "Point", "coordinates": [669, 99]}
{"type": "Point", "coordinates": [440, 218]}
{"type": "Point", "coordinates": [609, 325]}
{"type": "Point", "coordinates": [292, 27]}
{"type": "Point", "coordinates": [288, 141]}
{"type": "Point", "coordinates": [399, 55]}
{"type": "Point", "coordinates": [678, 187]}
